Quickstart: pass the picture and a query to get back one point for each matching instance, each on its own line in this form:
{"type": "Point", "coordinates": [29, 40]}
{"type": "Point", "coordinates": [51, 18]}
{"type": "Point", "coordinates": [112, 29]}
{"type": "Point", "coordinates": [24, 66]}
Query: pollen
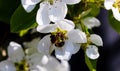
{"type": "Point", "coordinates": [117, 4]}
{"type": "Point", "coordinates": [51, 2]}
{"type": "Point", "coordinates": [22, 66]}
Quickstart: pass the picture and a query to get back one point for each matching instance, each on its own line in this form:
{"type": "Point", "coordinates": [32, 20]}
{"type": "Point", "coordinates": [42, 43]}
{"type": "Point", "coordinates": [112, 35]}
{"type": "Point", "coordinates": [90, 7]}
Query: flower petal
{"type": "Point", "coordinates": [28, 8]}
{"type": "Point", "coordinates": [44, 45]}
{"type": "Point", "coordinates": [71, 1]}
{"type": "Point", "coordinates": [71, 47]}
{"type": "Point", "coordinates": [46, 28]}
{"type": "Point", "coordinates": [30, 2]}
{"type": "Point", "coordinates": [57, 11]}
{"type": "Point", "coordinates": [91, 22]}
{"type": "Point", "coordinates": [15, 52]}
{"type": "Point", "coordinates": [38, 68]}
{"type": "Point", "coordinates": [37, 59]}
{"type": "Point", "coordinates": [108, 4]}
{"type": "Point", "coordinates": [92, 52]}
{"type": "Point", "coordinates": [96, 39]}
{"type": "Point", "coordinates": [62, 54]}
{"type": "Point", "coordinates": [65, 65]}
{"type": "Point", "coordinates": [42, 17]}
{"type": "Point", "coordinates": [54, 65]}
{"type": "Point", "coordinates": [7, 66]}
{"type": "Point", "coordinates": [66, 24]}
{"type": "Point", "coordinates": [116, 13]}
{"type": "Point", "coordinates": [77, 36]}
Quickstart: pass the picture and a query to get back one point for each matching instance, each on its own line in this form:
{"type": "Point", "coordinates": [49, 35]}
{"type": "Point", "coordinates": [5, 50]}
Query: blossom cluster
{"type": "Point", "coordinates": [64, 36]}
{"type": "Point", "coordinates": [29, 60]}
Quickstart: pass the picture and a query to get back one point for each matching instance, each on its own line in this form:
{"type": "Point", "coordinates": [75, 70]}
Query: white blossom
{"type": "Point", "coordinates": [114, 5]}
{"type": "Point", "coordinates": [91, 22]}
{"type": "Point", "coordinates": [96, 39]}
{"type": "Point", "coordinates": [64, 39]}
{"type": "Point", "coordinates": [50, 10]}
{"type": "Point", "coordinates": [31, 46]}
{"type": "Point", "coordinates": [15, 55]}
{"type": "Point", "coordinates": [41, 62]}
{"type": "Point", "coordinates": [7, 65]}
{"type": "Point", "coordinates": [15, 52]}
{"type": "Point", "coordinates": [29, 5]}
{"type": "Point", "coordinates": [92, 50]}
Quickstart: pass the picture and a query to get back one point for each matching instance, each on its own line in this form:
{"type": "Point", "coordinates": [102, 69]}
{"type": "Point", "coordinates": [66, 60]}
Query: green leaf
{"type": "Point", "coordinates": [90, 63]}
{"type": "Point", "coordinates": [7, 7]}
{"type": "Point", "coordinates": [113, 22]}
{"type": "Point", "coordinates": [21, 20]}
{"type": "Point", "coordinates": [94, 10]}
{"type": "Point", "coordinates": [23, 32]}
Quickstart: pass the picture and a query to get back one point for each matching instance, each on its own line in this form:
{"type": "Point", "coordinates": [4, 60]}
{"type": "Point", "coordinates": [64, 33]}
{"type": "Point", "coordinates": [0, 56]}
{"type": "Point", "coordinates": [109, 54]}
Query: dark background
{"type": "Point", "coordinates": [109, 59]}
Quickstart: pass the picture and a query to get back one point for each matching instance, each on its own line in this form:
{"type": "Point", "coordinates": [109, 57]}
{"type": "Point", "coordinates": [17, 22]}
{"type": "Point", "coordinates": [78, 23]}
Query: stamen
{"type": "Point", "coordinates": [21, 66]}
{"type": "Point", "coordinates": [51, 2]}
{"type": "Point", "coordinates": [117, 4]}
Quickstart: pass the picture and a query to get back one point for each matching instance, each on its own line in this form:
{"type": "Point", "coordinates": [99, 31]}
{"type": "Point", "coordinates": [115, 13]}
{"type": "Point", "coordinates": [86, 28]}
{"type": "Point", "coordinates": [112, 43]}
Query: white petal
{"type": "Point", "coordinates": [71, 47]}
{"type": "Point", "coordinates": [108, 4]}
{"type": "Point", "coordinates": [44, 60]}
{"type": "Point", "coordinates": [42, 17]}
{"type": "Point", "coordinates": [62, 54]}
{"type": "Point", "coordinates": [30, 2]}
{"type": "Point", "coordinates": [65, 65]}
{"type": "Point", "coordinates": [77, 36]}
{"type": "Point", "coordinates": [15, 52]}
{"type": "Point", "coordinates": [28, 8]}
{"type": "Point", "coordinates": [91, 22]}
{"type": "Point", "coordinates": [66, 24]}
{"type": "Point", "coordinates": [54, 65]}
{"type": "Point", "coordinates": [44, 45]}
{"type": "Point", "coordinates": [39, 68]}
{"type": "Point", "coordinates": [96, 39]}
{"type": "Point", "coordinates": [71, 1]}
{"type": "Point", "coordinates": [65, 52]}
{"type": "Point", "coordinates": [7, 66]}
{"type": "Point", "coordinates": [92, 52]}
{"type": "Point", "coordinates": [57, 11]}
{"type": "Point", "coordinates": [116, 13]}
{"type": "Point", "coordinates": [76, 47]}
{"type": "Point", "coordinates": [37, 59]}
{"type": "Point", "coordinates": [46, 28]}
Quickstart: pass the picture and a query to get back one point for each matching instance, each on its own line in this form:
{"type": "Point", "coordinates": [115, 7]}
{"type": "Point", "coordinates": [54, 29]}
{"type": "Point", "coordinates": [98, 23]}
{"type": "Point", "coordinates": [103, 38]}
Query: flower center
{"type": "Point", "coordinates": [58, 37]}
{"type": "Point", "coordinates": [51, 2]}
{"type": "Point", "coordinates": [21, 66]}
{"type": "Point", "coordinates": [117, 4]}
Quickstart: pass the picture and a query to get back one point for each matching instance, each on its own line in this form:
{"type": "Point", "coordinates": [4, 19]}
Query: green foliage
{"type": "Point", "coordinates": [90, 63]}
{"type": "Point", "coordinates": [113, 22]}
{"type": "Point", "coordinates": [7, 7]}
{"type": "Point", "coordinates": [94, 10]}
{"type": "Point", "coordinates": [84, 9]}
{"type": "Point", "coordinates": [21, 20]}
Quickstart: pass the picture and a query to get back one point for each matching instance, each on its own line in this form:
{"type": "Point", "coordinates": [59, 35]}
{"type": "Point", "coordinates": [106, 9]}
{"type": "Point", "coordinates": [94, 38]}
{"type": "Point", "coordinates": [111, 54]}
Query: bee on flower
{"type": "Point", "coordinates": [63, 38]}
